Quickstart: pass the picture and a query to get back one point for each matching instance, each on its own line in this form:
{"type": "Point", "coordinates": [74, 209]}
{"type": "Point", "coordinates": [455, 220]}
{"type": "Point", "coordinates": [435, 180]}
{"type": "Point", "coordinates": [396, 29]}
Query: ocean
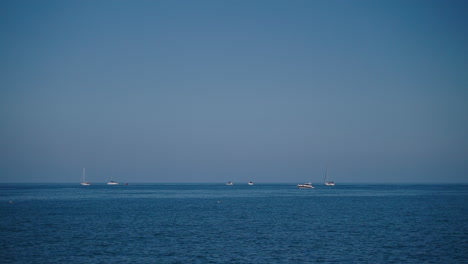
{"type": "Point", "coordinates": [215, 223]}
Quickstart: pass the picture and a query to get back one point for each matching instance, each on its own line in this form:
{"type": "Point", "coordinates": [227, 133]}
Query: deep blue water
{"type": "Point", "coordinates": [214, 223]}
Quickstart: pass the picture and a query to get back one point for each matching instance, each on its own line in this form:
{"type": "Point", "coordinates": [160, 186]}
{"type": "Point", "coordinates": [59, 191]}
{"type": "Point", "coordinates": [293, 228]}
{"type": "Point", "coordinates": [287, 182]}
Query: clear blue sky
{"type": "Point", "coordinates": [211, 91]}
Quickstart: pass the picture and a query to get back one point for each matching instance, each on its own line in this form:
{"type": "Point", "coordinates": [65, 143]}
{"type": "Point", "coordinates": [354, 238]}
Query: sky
{"type": "Point", "coordinates": [216, 91]}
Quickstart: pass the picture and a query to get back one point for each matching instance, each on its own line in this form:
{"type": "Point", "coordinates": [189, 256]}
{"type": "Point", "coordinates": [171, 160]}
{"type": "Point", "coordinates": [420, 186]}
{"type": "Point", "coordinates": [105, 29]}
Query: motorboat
{"type": "Point", "coordinates": [307, 185]}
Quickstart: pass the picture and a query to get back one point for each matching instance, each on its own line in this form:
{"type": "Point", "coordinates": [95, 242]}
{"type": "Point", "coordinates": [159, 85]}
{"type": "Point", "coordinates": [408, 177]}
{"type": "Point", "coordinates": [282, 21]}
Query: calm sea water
{"type": "Point", "coordinates": [214, 223]}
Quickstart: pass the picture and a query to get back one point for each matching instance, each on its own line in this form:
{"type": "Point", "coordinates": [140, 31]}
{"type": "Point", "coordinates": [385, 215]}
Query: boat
{"type": "Point", "coordinates": [229, 183]}
{"type": "Point", "coordinates": [83, 181]}
{"type": "Point", "coordinates": [328, 183]}
{"type": "Point", "coordinates": [307, 185]}
{"type": "Point", "coordinates": [111, 182]}
{"type": "Point", "coordinates": [250, 183]}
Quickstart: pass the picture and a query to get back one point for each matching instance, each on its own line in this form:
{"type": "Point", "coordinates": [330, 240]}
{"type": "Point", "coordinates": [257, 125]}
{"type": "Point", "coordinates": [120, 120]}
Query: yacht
{"type": "Point", "coordinates": [326, 182]}
{"type": "Point", "coordinates": [307, 185]}
{"type": "Point", "coordinates": [111, 182]}
{"type": "Point", "coordinates": [229, 183]}
{"type": "Point", "coordinates": [83, 176]}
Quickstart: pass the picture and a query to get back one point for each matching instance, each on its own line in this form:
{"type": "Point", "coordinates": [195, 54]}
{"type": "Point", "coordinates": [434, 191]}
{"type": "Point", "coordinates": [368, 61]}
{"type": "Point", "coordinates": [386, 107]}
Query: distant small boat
{"type": "Point", "coordinates": [229, 183]}
{"type": "Point", "coordinates": [111, 182]}
{"type": "Point", "coordinates": [305, 186]}
{"type": "Point", "coordinates": [328, 183]}
{"type": "Point", "coordinates": [250, 183]}
{"type": "Point", "coordinates": [83, 176]}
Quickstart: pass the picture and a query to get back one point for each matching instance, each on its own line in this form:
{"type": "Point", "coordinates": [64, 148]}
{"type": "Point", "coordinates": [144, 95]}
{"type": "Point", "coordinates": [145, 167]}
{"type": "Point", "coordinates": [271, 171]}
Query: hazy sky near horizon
{"type": "Point", "coordinates": [215, 91]}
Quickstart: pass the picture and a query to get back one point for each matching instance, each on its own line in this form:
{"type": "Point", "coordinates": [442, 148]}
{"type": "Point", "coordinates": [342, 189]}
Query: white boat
{"type": "Point", "coordinates": [83, 176]}
{"type": "Point", "coordinates": [229, 183]}
{"type": "Point", "coordinates": [111, 182]}
{"type": "Point", "coordinates": [250, 183]}
{"type": "Point", "coordinates": [307, 185]}
{"type": "Point", "coordinates": [326, 182]}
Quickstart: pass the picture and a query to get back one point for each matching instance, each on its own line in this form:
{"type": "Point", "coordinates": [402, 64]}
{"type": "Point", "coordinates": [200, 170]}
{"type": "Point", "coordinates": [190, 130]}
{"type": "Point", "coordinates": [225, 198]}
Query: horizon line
{"type": "Point", "coordinates": [246, 183]}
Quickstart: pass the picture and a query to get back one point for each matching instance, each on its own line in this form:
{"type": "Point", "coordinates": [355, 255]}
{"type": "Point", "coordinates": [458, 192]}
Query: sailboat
{"type": "Point", "coordinates": [328, 183]}
{"type": "Point", "coordinates": [111, 182]}
{"type": "Point", "coordinates": [83, 181]}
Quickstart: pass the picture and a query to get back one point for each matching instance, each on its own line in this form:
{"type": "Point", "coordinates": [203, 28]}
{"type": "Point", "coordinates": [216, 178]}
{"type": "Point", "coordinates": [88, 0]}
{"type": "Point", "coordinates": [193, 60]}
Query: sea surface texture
{"type": "Point", "coordinates": [215, 223]}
